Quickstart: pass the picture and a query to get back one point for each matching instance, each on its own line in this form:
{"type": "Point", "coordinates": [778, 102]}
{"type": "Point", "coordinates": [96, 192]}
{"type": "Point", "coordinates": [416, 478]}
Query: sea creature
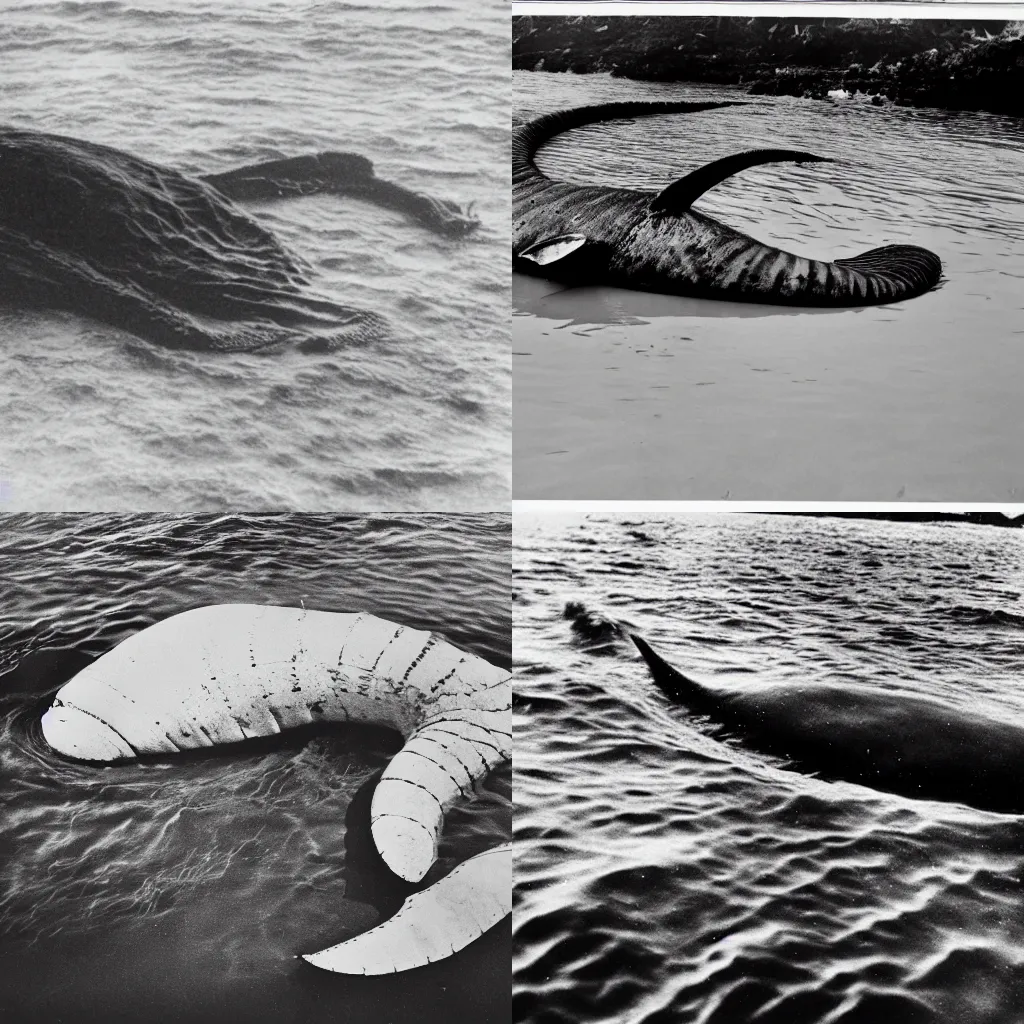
{"type": "Point", "coordinates": [592, 234]}
{"type": "Point", "coordinates": [890, 740]}
{"type": "Point", "coordinates": [225, 673]}
{"type": "Point", "coordinates": [89, 229]}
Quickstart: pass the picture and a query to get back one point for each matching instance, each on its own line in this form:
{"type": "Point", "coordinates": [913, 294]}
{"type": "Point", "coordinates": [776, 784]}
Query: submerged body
{"type": "Point", "coordinates": [898, 742]}
{"type": "Point", "coordinates": [226, 673]}
{"type": "Point", "coordinates": [655, 242]}
{"type": "Point", "coordinates": [89, 229]}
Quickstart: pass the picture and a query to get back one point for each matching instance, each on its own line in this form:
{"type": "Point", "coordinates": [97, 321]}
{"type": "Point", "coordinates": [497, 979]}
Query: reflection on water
{"type": "Point", "coordinates": [804, 405]}
{"type": "Point", "coordinates": [663, 875]}
{"type": "Point", "coordinates": [580, 306]}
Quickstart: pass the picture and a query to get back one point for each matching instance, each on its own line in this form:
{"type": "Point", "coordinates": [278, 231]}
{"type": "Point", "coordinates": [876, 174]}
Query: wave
{"type": "Point", "coordinates": [969, 615]}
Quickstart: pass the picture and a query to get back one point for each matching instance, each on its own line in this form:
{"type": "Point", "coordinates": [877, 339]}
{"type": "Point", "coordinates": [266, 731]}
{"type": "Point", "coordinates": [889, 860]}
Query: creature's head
{"type": "Point", "coordinates": [82, 735]}
{"type": "Point", "coordinates": [448, 218]}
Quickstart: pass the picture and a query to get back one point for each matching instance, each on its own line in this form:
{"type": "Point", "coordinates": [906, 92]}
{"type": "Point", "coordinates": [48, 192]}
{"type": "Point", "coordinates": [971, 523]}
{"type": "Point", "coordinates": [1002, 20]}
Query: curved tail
{"type": "Point", "coordinates": [528, 137]}
{"type": "Point", "coordinates": [432, 924]}
{"type": "Point", "coordinates": [752, 271]}
{"type": "Point", "coordinates": [435, 768]}
{"type": "Point", "coordinates": [343, 174]}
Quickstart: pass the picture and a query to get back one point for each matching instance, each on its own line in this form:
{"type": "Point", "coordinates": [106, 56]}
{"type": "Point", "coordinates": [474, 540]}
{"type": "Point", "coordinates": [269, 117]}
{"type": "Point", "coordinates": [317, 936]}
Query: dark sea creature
{"type": "Point", "coordinates": [591, 234]}
{"type": "Point", "coordinates": [897, 742]}
{"type": "Point", "coordinates": [592, 628]}
{"type": "Point", "coordinates": [91, 230]}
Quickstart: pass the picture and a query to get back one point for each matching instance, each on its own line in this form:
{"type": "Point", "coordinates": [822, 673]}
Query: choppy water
{"type": "Point", "coordinates": [182, 889]}
{"type": "Point", "coordinates": [97, 419]}
{"type": "Point", "coordinates": [625, 394]}
{"type": "Point", "coordinates": [665, 876]}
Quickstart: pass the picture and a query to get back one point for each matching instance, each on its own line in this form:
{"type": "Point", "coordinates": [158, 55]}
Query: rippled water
{"type": "Point", "coordinates": [182, 889]}
{"type": "Point", "coordinates": [625, 394]}
{"type": "Point", "coordinates": [663, 875]}
{"type": "Point", "coordinates": [94, 418]}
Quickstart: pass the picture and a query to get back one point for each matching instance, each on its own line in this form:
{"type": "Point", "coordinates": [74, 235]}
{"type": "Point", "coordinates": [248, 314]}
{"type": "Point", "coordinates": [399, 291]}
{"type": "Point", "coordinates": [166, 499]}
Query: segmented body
{"type": "Point", "coordinates": [227, 673]}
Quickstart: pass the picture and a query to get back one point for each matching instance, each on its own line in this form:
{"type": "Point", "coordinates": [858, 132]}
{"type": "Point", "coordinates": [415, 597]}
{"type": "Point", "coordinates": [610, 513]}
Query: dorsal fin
{"type": "Point", "coordinates": [682, 194]}
{"type": "Point", "coordinates": [672, 682]}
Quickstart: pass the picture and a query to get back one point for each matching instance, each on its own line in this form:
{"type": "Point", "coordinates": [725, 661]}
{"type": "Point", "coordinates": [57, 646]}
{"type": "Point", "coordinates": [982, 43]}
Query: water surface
{"type": "Point", "coordinates": [663, 875]}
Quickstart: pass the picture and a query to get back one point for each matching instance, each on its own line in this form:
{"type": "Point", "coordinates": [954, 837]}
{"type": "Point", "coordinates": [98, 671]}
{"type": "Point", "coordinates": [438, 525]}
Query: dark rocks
{"type": "Point", "coordinates": [957, 65]}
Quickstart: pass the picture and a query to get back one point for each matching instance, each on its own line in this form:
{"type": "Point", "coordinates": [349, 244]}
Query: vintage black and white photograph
{"type": "Point", "coordinates": [255, 768]}
{"type": "Point", "coordinates": [767, 766]}
{"type": "Point", "coordinates": [771, 257]}
{"type": "Point", "coordinates": [254, 256]}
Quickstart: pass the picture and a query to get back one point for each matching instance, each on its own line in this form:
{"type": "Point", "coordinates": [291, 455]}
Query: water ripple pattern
{"type": "Point", "coordinates": [785, 403]}
{"type": "Point", "coordinates": [663, 875]}
{"type": "Point", "coordinates": [182, 888]}
{"type": "Point", "coordinates": [94, 418]}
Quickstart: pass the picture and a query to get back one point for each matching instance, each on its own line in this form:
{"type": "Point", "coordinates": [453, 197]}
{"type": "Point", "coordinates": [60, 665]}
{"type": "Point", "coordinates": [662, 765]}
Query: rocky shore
{"type": "Point", "coordinates": [955, 65]}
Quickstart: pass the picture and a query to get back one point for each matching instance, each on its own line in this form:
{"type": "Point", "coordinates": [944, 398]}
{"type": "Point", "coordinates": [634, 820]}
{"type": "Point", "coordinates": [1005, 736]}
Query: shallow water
{"type": "Point", "coordinates": [97, 419]}
{"type": "Point", "coordinates": [663, 875]}
{"type": "Point", "coordinates": [625, 394]}
{"type": "Point", "coordinates": [182, 888]}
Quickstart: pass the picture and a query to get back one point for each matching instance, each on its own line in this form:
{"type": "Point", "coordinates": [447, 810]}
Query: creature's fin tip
{"type": "Point", "coordinates": [678, 197]}
{"type": "Point", "coordinates": [643, 647]}
{"type": "Point", "coordinates": [554, 249]}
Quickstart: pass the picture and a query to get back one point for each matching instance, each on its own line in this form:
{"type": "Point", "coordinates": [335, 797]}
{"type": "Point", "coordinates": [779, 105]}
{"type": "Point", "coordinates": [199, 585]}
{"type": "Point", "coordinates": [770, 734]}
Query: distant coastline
{"type": "Point", "coordinates": [977, 518]}
{"type": "Point", "coordinates": [953, 65]}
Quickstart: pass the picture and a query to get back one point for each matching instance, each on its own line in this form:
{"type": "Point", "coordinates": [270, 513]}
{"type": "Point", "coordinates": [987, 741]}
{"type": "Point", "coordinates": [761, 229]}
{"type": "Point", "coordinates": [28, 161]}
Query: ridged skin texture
{"type": "Point", "coordinates": [432, 924]}
{"type": "Point", "coordinates": [689, 253]}
{"type": "Point", "coordinates": [226, 673]}
{"type": "Point", "coordinates": [92, 230]}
